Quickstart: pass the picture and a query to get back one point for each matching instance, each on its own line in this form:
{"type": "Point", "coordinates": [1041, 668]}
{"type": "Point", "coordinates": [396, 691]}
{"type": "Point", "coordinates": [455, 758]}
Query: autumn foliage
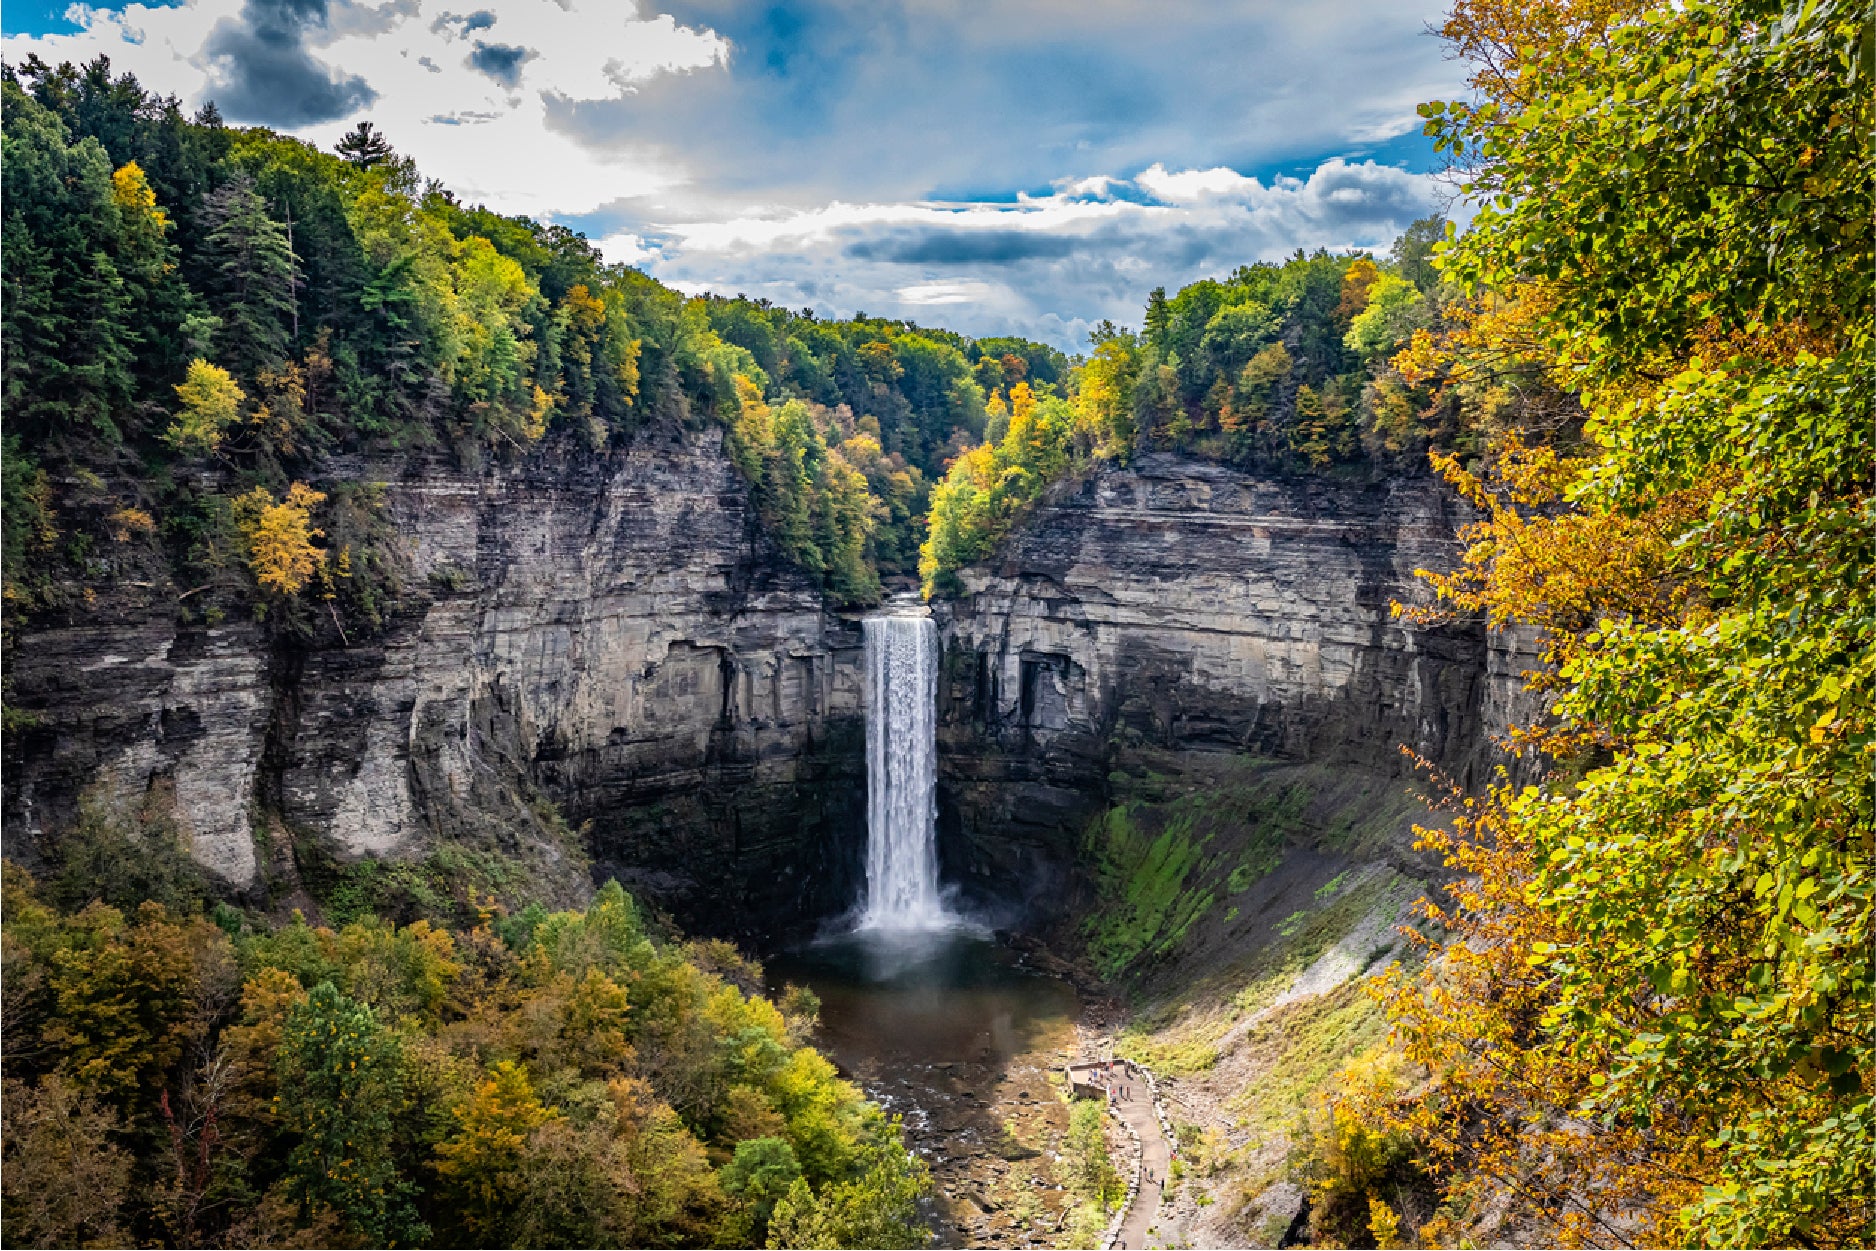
{"type": "Point", "coordinates": [1648, 1010]}
{"type": "Point", "coordinates": [536, 1079]}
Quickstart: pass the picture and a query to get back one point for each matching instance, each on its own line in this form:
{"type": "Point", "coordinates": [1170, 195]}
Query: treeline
{"type": "Point", "coordinates": [197, 316]}
{"type": "Point", "coordinates": [534, 1079]}
{"type": "Point", "coordinates": [1307, 366]}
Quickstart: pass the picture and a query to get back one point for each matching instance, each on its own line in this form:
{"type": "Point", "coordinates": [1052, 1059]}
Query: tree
{"type": "Point", "coordinates": [69, 338]}
{"type": "Point", "coordinates": [1413, 252]}
{"type": "Point", "coordinates": [126, 998]}
{"type": "Point", "coordinates": [1658, 1004]}
{"type": "Point", "coordinates": [341, 1086]}
{"type": "Point", "coordinates": [210, 402]}
{"type": "Point", "coordinates": [877, 1208]}
{"type": "Point", "coordinates": [1091, 1169]}
{"type": "Point", "coordinates": [760, 1174]}
{"type": "Point", "coordinates": [280, 537]}
{"type": "Point", "coordinates": [365, 146]}
{"type": "Point", "coordinates": [65, 1179]}
{"type": "Point", "coordinates": [254, 276]}
{"type": "Point", "coordinates": [481, 1160]}
{"type": "Point", "coordinates": [1395, 308]}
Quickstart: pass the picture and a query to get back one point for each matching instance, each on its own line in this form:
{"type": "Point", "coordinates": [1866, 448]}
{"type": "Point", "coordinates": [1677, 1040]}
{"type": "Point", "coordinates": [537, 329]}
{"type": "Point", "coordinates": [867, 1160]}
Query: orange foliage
{"type": "Point", "coordinates": [280, 537]}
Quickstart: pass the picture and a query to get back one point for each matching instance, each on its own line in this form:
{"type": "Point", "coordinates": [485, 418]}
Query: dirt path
{"type": "Point", "coordinates": [1155, 1158]}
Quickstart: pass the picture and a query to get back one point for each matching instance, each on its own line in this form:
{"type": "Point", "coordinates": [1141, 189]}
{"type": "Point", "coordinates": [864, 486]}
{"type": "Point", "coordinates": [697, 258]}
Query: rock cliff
{"type": "Point", "coordinates": [610, 632]}
{"type": "Point", "coordinates": [613, 633]}
{"type": "Point", "coordinates": [1149, 617]}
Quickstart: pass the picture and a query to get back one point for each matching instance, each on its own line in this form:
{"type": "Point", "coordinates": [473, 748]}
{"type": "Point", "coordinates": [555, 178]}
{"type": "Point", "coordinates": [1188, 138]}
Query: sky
{"type": "Point", "coordinates": [1026, 167]}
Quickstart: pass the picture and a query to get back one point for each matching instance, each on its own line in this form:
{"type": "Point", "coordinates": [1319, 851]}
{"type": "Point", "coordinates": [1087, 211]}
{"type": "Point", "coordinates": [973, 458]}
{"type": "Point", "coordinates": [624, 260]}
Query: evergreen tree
{"type": "Point", "coordinates": [68, 329]}
{"type": "Point", "coordinates": [255, 275]}
{"type": "Point", "coordinates": [365, 146]}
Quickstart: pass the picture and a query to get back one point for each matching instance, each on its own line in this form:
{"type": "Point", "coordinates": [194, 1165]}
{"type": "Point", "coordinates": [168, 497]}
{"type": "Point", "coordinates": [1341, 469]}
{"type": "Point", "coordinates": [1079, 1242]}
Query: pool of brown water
{"type": "Point", "coordinates": [949, 1030]}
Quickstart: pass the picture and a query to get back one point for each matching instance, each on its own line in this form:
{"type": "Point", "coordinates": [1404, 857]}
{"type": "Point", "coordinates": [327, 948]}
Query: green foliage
{"type": "Point", "coordinates": [1159, 872]}
{"type": "Point", "coordinates": [537, 1079]}
{"type": "Point", "coordinates": [1279, 368]}
{"type": "Point", "coordinates": [1679, 922]}
{"type": "Point", "coordinates": [341, 1089]}
{"type": "Point", "coordinates": [1395, 310]}
{"type": "Point", "coordinates": [987, 488]}
{"type": "Point", "coordinates": [810, 497]}
{"type": "Point", "coordinates": [1091, 1172]}
{"type": "Point", "coordinates": [247, 301]}
{"type": "Point", "coordinates": [761, 1173]}
{"type": "Point", "coordinates": [123, 858]}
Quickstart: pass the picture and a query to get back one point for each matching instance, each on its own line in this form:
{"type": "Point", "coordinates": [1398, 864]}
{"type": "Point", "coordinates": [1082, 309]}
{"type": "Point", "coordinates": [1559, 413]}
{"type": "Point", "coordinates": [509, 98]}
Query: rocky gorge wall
{"type": "Point", "coordinates": [1162, 616]}
{"type": "Point", "coordinates": [609, 631]}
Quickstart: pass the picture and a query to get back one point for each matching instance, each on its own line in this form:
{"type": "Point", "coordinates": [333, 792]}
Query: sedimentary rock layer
{"type": "Point", "coordinates": [610, 631]}
{"type": "Point", "coordinates": [1180, 607]}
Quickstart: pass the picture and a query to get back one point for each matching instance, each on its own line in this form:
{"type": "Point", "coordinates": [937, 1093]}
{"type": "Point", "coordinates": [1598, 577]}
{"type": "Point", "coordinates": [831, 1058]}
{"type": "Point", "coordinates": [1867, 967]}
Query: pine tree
{"type": "Point", "coordinates": [254, 274]}
{"type": "Point", "coordinates": [365, 146]}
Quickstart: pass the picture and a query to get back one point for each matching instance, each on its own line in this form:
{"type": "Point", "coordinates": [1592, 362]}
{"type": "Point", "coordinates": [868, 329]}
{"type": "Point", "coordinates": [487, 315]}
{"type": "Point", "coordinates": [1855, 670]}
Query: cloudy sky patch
{"type": "Point", "coordinates": [1028, 167]}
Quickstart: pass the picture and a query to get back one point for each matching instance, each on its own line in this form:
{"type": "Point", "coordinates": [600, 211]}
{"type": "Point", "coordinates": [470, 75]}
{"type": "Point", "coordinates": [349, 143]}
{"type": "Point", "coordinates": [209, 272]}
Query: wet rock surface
{"type": "Point", "coordinates": [991, 1133]}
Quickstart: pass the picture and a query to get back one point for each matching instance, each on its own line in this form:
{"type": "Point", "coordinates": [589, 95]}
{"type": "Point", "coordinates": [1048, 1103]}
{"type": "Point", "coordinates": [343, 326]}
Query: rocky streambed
{"type": "Point", "coordinates": [965, 1041]}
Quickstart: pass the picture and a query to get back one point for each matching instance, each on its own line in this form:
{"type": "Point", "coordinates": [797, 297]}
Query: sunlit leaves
{"type": "Point", "coordinates": [1661, 1006]}
{"type": "Point", "coordinates": [280, 536]}
{"type": "Point", "coordinates": [210, 401]}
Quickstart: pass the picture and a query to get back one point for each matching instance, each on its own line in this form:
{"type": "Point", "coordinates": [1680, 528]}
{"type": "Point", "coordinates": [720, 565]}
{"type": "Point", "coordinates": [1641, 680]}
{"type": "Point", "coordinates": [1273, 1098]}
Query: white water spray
{"type": "Point", "coordinates": [902, 775]}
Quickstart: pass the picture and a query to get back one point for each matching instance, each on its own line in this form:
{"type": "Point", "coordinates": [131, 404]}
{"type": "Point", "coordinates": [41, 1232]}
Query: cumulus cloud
{"type": "Point", "coordinates": [464, 88]}
{"type": "Point", "coordinates": [1036, 167]}
{"type": "Point", "coordinates": [501, 61]}
{"type": "Point", "coordinates": [1049, 266]}
{"type": "Point", "coordinates": [903, 99]}
{"type": "Point", "coordinates": [261, 70]}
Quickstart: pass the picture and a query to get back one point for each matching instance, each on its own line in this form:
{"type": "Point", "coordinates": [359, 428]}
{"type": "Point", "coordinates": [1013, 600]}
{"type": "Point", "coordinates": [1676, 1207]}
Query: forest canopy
{"type": "Point", "coordinates": [1650, 1013]}
{"type": "Point", "coordinates": [196, 313]}
{"type": "Point", "coordinates": [532, 1079]}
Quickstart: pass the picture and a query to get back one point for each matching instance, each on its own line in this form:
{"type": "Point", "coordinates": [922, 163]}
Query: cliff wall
{"type": "Point", "coordinates": [611, 632]}
{"type": "Point", "coordinates": [1153, 619]}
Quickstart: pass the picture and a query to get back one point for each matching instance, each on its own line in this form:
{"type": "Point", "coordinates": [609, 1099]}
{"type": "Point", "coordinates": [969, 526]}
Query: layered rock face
{"type": "Point", "coordinates": [1178, 607]}
{"type": "Point", "coordinates": [610, 632]}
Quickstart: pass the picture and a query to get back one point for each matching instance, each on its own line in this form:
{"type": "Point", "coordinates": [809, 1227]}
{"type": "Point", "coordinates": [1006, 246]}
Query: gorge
{"type": "Point", "coordinates": [612, 633]}
{"type": "Point", "coordinates": [505, 744]}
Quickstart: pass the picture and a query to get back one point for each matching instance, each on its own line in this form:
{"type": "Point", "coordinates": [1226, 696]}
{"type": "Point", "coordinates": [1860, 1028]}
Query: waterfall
{"type": "Point", "coordinates": [902, 775]}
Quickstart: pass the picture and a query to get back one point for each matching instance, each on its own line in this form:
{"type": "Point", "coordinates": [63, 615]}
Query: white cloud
{"type": "Point", "coordinates": [949, 291]}
{"type": "Point", "coordinates": [854, 156]}
{"type": "Point", "coordinates": [1048, 266]}
{"type": "Point", "coordinates": [428, 63]}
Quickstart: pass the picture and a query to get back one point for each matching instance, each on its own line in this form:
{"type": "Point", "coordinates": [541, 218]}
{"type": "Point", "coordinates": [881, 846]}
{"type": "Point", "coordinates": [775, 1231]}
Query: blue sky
{"type": "Point", "coordinates": [1032, 166]}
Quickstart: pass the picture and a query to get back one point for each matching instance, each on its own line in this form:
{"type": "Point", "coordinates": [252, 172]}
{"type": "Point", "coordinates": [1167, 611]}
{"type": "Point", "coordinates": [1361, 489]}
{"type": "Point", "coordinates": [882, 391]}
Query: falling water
{"type": "Point", "coordinates": [902, 775]}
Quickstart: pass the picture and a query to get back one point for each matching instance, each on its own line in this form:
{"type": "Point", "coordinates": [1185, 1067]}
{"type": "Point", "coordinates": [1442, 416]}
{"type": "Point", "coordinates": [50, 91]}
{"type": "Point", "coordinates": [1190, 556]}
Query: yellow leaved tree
{"type": "Point", "coordinates": [211, 401]}
{"type": "Point", "coordinates": [280, 537]}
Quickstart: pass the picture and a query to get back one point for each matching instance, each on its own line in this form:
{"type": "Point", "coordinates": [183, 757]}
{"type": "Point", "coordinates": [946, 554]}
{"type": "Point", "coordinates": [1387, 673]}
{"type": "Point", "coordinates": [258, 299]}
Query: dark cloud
{"type": "Point", "coordinates": [464, 24]}
{"type": "Point", "coordinates": [904, 99]}
{"type": "Point", "coordinates": [262, 71]}
{"type": "Point", "coordinates": [960, 247]}
{"type": "Point", "coordinates": [501, 61]}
